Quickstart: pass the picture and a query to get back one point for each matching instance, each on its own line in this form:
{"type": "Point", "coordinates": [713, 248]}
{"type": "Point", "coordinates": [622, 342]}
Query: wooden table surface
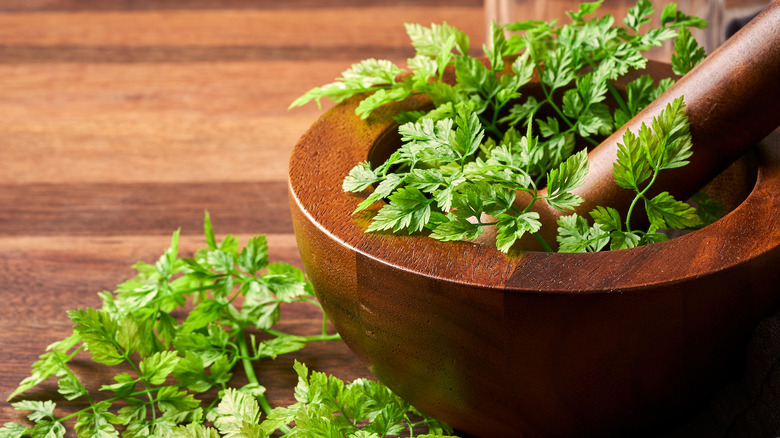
{"type": "Point", "coordinates": [123, 120]}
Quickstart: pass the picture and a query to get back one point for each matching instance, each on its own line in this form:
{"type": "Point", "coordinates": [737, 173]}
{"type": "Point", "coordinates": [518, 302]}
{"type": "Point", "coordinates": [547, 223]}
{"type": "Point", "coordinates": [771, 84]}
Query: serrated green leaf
{"type": "Point", "coordinates": [624, 240]}
{"type": "Point", "coordinates": [687, 52]}
{"type": "Point", "coordinates": [98, 330]}
{"type": "Point", "coordinates": [665, 212]}
{"type": "Point", "coordinates": [360, 77]}
{"type": "Point", "coordinates": [439, 38]}
{"type": "Point", "coordinates": [639, 15]}
{"type": "Point", "coordinates": [254, 256]}
{"type": "Point", "coordinates": [172, 401]}
{"type": "Point", "coordinates": [608, 218]}
{"type": "Point", "coordinates": [458, 229]}
{"type": "Point", "coordinates": [12, 430]}
{"type": "Point", "coordinates": [127, 335]}
{"type": "Point", "coordinates": [567, 177]}
{"type": "Point", "coordinates": [408, 208]}
{"type": "Point", "coordinates": [631, 168]}
{"type": "Point", "coordinates": [97, 423]}
{"type": "Point", "coordinates": [576, 235]}
{"type": "Point", "coordinates": [360, 178]}
{"type": "Point", "coordinates": [190, 372]}
{"type": "Point", "coordinates": [559, 70]}
{"type": "Point", "coordinates": [68, 386]}
{"type": "Point", "coordinates": [510, 228]}
{"type": "Point", "coordinates": [572, 103]}
{"type": "Point", "coordinates": [156, 368]}
{"type": "Point", "coordinates": [39, 409]}
{"type": "Point", "coordinates": [674, 17]}
{"type": "Point", "coordinates": [124, 386]}
{"type": "Point", "coordinates": [208, 231]}
{"type": "Point", "coordinates": [596, 120]}
{"type": "Point", "coordinates": [202, 315]}
{"type": "Point", "coordinates": [497, 47]}
{"type": "Point", "coordinates": [585, 8]}
{"type": "Point", "coordinates": [239, 416]}
{"type": "Point", "coordinates": [383, 190]}
{"type": "Point", "coordinates": [192, 430]}
{"type": "Point", "coordinates": [380, 97]}
{"type": "Point", "coordinates": [48, 429]}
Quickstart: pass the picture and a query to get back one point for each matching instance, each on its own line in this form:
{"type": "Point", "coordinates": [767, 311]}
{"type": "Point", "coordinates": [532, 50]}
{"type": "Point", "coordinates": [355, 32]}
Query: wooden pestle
{"type": "Point", "coordinates": [733, 101]}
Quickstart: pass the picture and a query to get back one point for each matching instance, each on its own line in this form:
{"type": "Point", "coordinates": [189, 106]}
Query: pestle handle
{"type": "Point", "coordinates": [733, 101]}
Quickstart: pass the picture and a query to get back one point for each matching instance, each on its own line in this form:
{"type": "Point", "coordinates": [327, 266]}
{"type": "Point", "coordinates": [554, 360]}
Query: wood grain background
{"type": "Point", "coordinates": [123, 120]}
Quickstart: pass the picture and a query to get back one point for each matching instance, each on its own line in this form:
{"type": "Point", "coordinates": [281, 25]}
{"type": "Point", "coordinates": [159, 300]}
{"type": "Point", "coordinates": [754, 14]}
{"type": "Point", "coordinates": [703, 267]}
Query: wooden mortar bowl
{"type": "Point", "coordinates": [533, 344]}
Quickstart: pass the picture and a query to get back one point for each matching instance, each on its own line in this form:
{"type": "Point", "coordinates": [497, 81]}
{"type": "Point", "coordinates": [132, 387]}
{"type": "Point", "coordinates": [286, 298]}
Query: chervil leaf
{"type": "Point", "coordinates": [125, 384]}
{"type": "Point", "coordinates": [49, 364]}
{"type": "Point", "coordinates": [708, 210]}
{"type": "Point", "coordinates": [192, 430]}
{"type": "Point", "coordinates": [426, 180]}
{"type": "Point", "coordinates": [558, 70]}
{"type": "Point", "coordinates": [631, 168]}
{"type": "Point", "coordinates": [12, 430]}
{"type": "Point", "coordinates": [360, 178]}
{"type": "Point", "coordinates": [669, 144]}
{"type": "Point", "coordinates": [607, 217]}
{"type": "Point", "coordinates": [687, 52]}
{"type": "Point", "coordinates": [585, 8]}
{"type": "Point", "coordinates": [456, 229]}
{"type": "Point", "coordinates": [239, 416]}
{"type": "Point", "coordinates": [208, 231]}
{"type": "Point", "coordinates": [48, 429]}
{"type": "Point", "coordinates": [567, 177]}
{"type": "Point", "coordinates": [360, 77]}
{"type": "Point", "coordinates": [497, 48]}
{"type": "Point", "coordinates": [468, 135]}
{"type": "Point", "coordinates": [665, 212]}
{"type": "Point", "coordinates": [97, 423]}
{"type": "Point", "coordinates": [638, 15]}
{"type": "Point", "coordinates": [380, 97]}
{"type": "Point", "coordinates": [596, 120]}
{"type": "Point", "coordinates": [382, 190]}
{"type": "Point", "coordinates": [432, 41]}
{"type": "Point", "coordinates": [39, 409]}
{"type": "Point", "coordinates": [408, 208]}
{"type": "Point", "coordinates": [203, 314]}
{"type": "Point", "coordinates": [624, 240]}
{"type": "Point", "coordinates": [254, 256]}
{"type": "Point", "coordinates": [99, 331]}
{"type": "Point", "coordinates": [671, 16]}
{"type": "Point", "coordinates": [474, 77]}
{"type": "Point", "coordinates": [156, 368]}
{"type": "Point", "coordinates": [511, 227]}
{"type": "Point", "coordinates": [576, 235]}
{"type": "Point", "coordinates": [68, 386]}
{"type": "Point", "coordinates": [172, 401]}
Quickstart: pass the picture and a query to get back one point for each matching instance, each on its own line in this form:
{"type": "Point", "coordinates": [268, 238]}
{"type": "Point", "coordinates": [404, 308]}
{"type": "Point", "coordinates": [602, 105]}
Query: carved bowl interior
{"type": "Point", "coordinates": [535, 344]}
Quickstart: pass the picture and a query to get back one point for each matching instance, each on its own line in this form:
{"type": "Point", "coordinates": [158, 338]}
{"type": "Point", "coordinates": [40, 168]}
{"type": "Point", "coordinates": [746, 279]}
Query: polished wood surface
{"type": "Point", "coordinates": [121, 121]}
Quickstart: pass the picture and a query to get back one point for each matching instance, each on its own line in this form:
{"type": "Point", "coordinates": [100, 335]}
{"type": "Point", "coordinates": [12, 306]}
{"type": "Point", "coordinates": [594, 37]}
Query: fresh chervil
{"type": "Point", "coordinates": [462, 163]}
{"type": "Point", "coordinates": [163, 358]}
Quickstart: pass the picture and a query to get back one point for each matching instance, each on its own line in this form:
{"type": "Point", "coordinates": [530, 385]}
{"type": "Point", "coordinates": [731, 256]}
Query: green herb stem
{"type": "Point", "coordinates": [252, 377]}
{"type": "Point", "coordinates": [315, 338]}
{"type": "Point", "coordinates": [544, 243]}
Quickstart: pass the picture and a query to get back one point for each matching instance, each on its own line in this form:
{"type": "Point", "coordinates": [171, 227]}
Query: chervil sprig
{"type": "Point", "coordinates": [181, 327]}
{"type": "Point", "coordinates": [667, 145]}
{"type": "Point", "coordinates": [167, 360]}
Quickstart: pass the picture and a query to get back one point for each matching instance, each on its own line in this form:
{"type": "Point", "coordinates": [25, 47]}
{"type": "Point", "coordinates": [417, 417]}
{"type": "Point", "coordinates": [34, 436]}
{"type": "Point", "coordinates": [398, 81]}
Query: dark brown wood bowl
{"type": "Point", "coordinates": [533, 344]}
